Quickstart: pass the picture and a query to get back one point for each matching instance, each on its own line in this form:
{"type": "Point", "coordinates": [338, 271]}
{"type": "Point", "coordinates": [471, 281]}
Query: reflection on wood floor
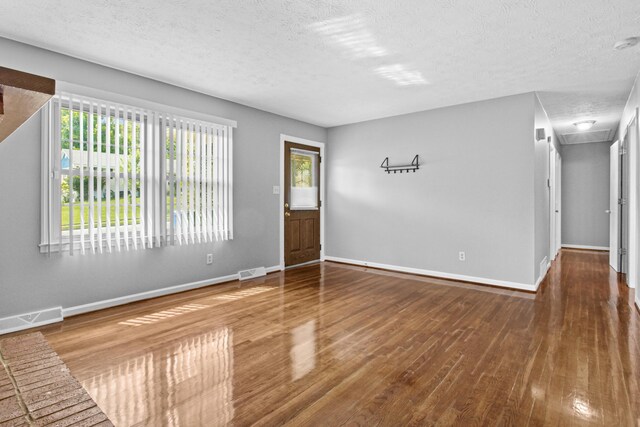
{"type": "Point", "coordinates": [153, 388]}
{"type": "Point", "coordinates": [333, 344]}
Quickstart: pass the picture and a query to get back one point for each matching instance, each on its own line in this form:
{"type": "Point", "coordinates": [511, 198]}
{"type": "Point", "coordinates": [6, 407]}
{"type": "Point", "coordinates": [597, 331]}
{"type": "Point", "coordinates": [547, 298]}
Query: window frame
{"type": "Point", "coordinates": [315, 184]}
{"type": "Point", "coordinates": [50, 205]}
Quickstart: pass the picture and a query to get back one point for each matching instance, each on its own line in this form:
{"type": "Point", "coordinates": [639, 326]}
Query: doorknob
{"type": "Point", "coordinates": [287, 214]}
{"type": "Point", "coordinates": [286, 205]}
{"type": "Point", "coordinates": [608, 211]}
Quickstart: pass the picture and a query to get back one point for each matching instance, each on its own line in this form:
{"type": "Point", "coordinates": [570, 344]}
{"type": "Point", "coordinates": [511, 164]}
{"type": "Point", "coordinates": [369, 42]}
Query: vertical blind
{"type": "Point", "coordinates": [123, 178]}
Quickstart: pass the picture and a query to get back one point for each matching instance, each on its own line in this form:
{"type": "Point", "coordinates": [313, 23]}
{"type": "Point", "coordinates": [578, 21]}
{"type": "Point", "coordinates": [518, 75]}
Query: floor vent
{"type": "Point", "coordinates": [30, 320]}
{"type": "Point", "coordinates": [252, 274]}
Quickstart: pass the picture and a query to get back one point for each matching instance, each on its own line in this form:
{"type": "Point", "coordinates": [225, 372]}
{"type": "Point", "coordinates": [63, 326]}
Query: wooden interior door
{"type": "Point", "coordinates": [302, 203]}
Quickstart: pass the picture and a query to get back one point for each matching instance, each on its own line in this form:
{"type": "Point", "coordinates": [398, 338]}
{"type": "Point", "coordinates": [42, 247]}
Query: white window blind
{"type": "Point", "coordinates": [119, 177]}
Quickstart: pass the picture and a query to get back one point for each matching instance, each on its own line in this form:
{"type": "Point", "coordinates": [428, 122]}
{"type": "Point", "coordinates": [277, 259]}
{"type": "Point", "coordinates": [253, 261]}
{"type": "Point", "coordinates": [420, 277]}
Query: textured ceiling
{"type": "Point", "coordinates": [337, 62]}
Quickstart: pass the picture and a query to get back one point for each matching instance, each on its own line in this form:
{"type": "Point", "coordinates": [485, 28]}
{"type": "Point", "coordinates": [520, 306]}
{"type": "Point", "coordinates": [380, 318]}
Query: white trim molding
{"type": "Point", "coordinates": [321, 146]}
{"type": "Point", "coordinates": [100, 305]}
{"type": "Point", "coordinates": [21, 322]}
{"type": "Point", "coordinates": [438, 274]}
{"type": "Point", "coordinates": [543, 272]}
{"type": "Point", "coordinates": [592, 248]}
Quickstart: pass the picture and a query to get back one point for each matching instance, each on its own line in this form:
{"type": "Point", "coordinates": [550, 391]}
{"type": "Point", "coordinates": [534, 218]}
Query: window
{"type": "Point", "coordinates": [119, 177]}
{"type": "Point", "coordinates": [304, 177]}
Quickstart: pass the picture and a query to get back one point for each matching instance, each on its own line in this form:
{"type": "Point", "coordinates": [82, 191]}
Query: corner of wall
{"type": "Point", "coordinates": [541, 219]}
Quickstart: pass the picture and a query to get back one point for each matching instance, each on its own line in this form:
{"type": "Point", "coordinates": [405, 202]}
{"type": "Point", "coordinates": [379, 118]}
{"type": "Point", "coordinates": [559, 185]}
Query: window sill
{"type": "Point", "coordinates": [127, 244]}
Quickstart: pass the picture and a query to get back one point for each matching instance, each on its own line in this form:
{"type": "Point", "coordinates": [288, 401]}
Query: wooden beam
{"type": "Point", "coordinates": [26, 81]}
{"type": "Point", "coordinates": [21, 96]}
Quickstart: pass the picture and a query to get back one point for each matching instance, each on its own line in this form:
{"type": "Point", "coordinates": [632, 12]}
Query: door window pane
{"type": "Point", "coordinates": [304, 180]}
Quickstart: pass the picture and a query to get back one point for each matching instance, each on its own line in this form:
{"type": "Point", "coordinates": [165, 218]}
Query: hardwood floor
{"type": "Point", "coordinates": [331, 344]}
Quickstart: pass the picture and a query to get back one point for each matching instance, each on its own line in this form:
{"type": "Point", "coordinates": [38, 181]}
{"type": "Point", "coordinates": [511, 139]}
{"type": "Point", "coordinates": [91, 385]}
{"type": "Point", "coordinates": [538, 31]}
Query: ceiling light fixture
{"type": "Point", "coordinates": [585, 125]}
{"type": "Point", "coordinates": [626, 43]}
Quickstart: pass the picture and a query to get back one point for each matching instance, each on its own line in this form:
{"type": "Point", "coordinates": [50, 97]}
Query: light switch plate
{"type": "Point", "coordinates": [276, 189]}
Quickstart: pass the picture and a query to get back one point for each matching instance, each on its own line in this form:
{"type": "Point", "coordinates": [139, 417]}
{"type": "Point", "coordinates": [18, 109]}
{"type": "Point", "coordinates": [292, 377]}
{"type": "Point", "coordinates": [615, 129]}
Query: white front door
{"type": "Point", "coordinates": [614, 212]}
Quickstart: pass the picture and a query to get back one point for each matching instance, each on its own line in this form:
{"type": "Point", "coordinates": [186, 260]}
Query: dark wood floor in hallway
{"type": "Point", "coordinates": [331, 344]}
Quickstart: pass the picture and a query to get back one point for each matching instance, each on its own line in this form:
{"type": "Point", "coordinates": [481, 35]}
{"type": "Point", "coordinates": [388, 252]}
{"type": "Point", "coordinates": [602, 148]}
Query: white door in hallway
{"type": "Point", "coordinates": [555, 221]}
{"type": "Point", "coordinates": [553, 224]}
{"type": "Point", "coordinates": [632, 202]}
{"type": "Point", "coordinates": [558, 204]}
{"type": "Point", "coordinates": [614, 211]}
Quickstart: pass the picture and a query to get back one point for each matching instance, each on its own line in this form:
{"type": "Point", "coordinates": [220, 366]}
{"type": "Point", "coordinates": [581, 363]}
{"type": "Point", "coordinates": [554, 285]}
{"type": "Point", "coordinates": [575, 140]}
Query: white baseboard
{"type": "Point", "coordinates": [593, 248]}
{"type": "Point", "coordinates": [100, 305]}
{"type": "Point", "coordinates": [30, 320]}
{"type": "Point", "coordinates": [52, 315]}
{"type": "Point", "coordinates": [543, 272]}
{"type": "Point", "coordinates": [439, 274]}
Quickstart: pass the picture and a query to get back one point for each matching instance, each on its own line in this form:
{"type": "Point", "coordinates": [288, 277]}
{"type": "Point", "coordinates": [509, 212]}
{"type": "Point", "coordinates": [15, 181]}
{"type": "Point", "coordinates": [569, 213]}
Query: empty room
{"type": "Point", "coordinates": [319, 213]}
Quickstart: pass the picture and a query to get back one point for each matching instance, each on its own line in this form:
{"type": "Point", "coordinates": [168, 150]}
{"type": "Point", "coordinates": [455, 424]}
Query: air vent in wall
{"type": "Point", "coordinates": [30, 320]}
{"type": "Point", "coordinates": [605, 135]}
{"type": "Point", "coordinates": [252, 274]}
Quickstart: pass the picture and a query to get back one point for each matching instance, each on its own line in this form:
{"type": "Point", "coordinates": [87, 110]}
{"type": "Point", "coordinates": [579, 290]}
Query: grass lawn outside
{"type": "Point", "coordinates": [76, 214]}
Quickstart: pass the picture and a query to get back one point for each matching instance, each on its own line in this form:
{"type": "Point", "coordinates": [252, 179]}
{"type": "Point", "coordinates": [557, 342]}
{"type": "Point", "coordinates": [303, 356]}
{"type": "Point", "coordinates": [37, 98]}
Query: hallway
{"type": "Point", "coordinates": [336, 344]}
{"type": "Point", "coordinates": [586, 344]}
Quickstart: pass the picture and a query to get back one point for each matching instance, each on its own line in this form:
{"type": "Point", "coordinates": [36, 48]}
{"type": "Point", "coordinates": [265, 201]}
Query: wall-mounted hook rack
{"type": "Point", "coordinates": [414, 166]}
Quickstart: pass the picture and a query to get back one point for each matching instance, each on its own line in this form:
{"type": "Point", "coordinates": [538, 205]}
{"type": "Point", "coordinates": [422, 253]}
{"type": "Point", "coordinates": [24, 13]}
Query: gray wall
{"type": "Point", "coordinates": [30, 281]}
{"type": "Point", "coordinates": [541, 189]}
{"type": "Point", "coordinates": [473, 193]}
{"type": "Point", "coordinates": [585, 194]}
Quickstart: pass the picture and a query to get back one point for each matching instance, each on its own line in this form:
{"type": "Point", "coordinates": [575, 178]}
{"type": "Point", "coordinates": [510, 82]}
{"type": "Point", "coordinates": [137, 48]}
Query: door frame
{"type": "Point", "coordinates": [630, 161]}
{"type": "Point", "coordinates": [321, 146]}
{"type": "Point", "coordinates": [558, 202]}
{"type": "Point", "coordinates": [632, 150]}
{"type": "Point", "coordinates": [624, 208]}
{"type": "Point", "coordinates": [615, 210]}
{"type": "Point", "coordinates": [555, 201]}
{"type": "Point", "coordinates": [553, 250]}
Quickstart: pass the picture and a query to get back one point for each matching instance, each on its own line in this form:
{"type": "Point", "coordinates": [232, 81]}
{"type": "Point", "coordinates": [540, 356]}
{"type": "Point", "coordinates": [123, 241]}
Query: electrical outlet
{"type": "Point", "coordinates": [462, 256]}
{"type": "Point", "coordinates": [276, 189]}
{"type": "Point", "coordinates": [209, 259]}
